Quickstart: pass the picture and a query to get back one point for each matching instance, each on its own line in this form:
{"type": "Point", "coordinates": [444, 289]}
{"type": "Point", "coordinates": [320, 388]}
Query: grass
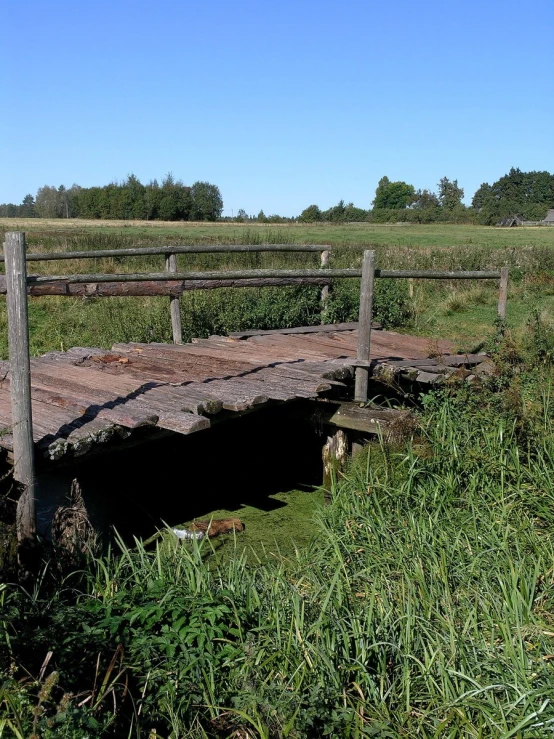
{"type": "Point", "coordinates": [57, 323]}
{"type": "Point", "coordinates": [423, 607]}
{"type": "Point", "coordinates": [411, 235]}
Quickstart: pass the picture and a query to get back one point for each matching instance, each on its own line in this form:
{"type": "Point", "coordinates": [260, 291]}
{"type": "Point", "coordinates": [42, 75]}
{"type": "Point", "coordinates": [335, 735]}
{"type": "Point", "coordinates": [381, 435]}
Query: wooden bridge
{"type": "Point", "coordinates": [66, 405]}
{"type": "Point", "coordinates": [85, 399]}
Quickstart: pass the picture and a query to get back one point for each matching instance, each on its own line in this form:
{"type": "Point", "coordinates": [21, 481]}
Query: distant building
{"type": "Point", "coordinates": [547, 221]}
{"type": "Point", "coordinates": [510, 221]}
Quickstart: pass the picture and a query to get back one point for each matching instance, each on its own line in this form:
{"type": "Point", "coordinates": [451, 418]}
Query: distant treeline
{"type": "Point", "coordinates": [525, 194]}
{"type": "Point", "coordinates": [129, 200]}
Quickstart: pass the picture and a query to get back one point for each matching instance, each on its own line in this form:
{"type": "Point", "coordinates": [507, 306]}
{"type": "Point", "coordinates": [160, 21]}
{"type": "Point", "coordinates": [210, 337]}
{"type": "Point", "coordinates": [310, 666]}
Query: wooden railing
{"type": "Point", "coordinates": [16, 284]}
{"type": "Point", "coordinates": [171, 282]}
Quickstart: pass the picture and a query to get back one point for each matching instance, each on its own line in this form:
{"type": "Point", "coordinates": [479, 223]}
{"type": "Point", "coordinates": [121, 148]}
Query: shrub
{"type": "Point", "coordinates": [391, 304]}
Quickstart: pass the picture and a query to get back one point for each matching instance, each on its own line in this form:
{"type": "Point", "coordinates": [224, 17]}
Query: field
{"type": "Point", "coordinates": [465, 312]}
{"type": "Point", "coordinates": [355, 234]}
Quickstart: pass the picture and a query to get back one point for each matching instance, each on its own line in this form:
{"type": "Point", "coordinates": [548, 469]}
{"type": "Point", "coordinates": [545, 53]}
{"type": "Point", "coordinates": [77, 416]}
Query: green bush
{"type": "Point", "coordinates": [391, 304]}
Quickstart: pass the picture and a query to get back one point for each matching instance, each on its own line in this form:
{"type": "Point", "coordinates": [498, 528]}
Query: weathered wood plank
{"type": "Point", "coordinates": [182, 423]}
{"type": "Point", "coordinates": [247, 277]}
{"type": "Point", "coordinates": [322, 328]}
{"type": "Point", "coordinates": [186, 249]}
{"type": "Point", "coordinates": [503, 293]}
{"type": "Point", "coordinates": [234, 396]}
{"type": "Point", "coordinates": [82, 439]}
{"type": "Point", "coordinates": [364, 329]}
{"type": "Point", "coordinates": [188, 364]}
{"type": "Point", "coordinates": [174, 302]}
{"type": "Point", "coordinates": [251, 274]}
{"type": "Point", "coordinates": [127, 404]}
{"type": "Point", "coordinates": [455, 360]}
{"type": "Point", "coordinates": [22, 426]}
{"type": "Point", "coordinates": [145, 288]}
{"type": "Point", "coordinates": [370, 420]}
{"type": "Point", "coordinates": [334, 455]}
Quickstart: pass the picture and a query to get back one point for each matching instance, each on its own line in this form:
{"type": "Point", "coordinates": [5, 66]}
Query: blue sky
{"type": "Point", "coordinates": [280, 104]}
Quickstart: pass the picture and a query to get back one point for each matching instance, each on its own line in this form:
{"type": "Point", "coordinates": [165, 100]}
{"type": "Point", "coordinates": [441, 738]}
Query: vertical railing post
{"type": "Point", "coordinates": [325, 288]}
{"type": "Point", "coordinates": [503, 293]}
{"type": "Point", "coordinates": [174, 302]}
{"type": "Point", "coordinates": [364, 325]}
{"type": "Point", "coordinates": [20, 383]}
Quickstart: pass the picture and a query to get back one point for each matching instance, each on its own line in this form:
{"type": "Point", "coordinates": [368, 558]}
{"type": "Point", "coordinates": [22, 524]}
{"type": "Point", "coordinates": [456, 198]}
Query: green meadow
{"type": "Point", "coordinates": [419, 603]}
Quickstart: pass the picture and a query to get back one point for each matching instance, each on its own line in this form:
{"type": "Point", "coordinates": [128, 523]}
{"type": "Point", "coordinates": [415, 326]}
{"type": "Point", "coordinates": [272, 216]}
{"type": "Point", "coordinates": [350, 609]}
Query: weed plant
{"type": "Point", "coordinates": [423, 607]}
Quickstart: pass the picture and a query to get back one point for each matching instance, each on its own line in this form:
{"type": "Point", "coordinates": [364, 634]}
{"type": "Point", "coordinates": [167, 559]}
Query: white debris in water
{"type": "Point", "coordinates": [186, 534]}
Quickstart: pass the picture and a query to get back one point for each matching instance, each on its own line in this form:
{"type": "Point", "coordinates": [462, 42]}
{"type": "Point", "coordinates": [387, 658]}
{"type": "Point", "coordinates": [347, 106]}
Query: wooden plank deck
{"type": "Point", "coordinates": [86, 397]}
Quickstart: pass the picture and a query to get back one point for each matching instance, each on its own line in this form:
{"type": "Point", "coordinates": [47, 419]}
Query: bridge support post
{"type": "Point", "coordinates": [20, 383]}
{"type": "Point", "coordinates": [364, 325]}
{"type": "Point", "coordinates": [325, 288]}
{"type": "Point", "coordinates": [174, 302]}
{"type": "Point", "coordinates": [503, 293]}
{"type": "Point", "coordinates": [334, 454]}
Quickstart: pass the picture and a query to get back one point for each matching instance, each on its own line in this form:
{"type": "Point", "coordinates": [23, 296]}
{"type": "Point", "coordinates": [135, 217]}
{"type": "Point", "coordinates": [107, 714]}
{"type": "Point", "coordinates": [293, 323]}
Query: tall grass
{"type": "Point", "coordinates": [58, 322]}
{"type": "Point", "coordinates": [424, 606]}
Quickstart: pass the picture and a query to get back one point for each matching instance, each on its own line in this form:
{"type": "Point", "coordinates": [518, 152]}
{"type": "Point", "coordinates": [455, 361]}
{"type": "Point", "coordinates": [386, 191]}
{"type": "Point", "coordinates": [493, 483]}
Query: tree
{"type": "Point", "coordinates": [241, 216]}
{"type": "Point", "coordinates": [134, 198]}
{"type": "Point", "coordinates": [482, 195]}
{"type": "Point", "coordinates": [394, 195]}
{"type": "Point", "coordinates": [129, 199]}
{"type": "Point", "coordinates": [73, 200]}
{"type": "Point", "coordinates": [46, 202]}
{"type": "Point", "coordinates": [152, 196]}
{"type": "Point", "coordinates": [207, 203]}
{"type": "Point", "coordinates": [425, 200]}
{"type": "Point", "coordinates": [450, 195]}
{"type": "Point", "coordinates": [62, 208]}
{"type": "Point", "coordinates": [351, 213]}
{"type": "Point", "coordinates": [337, 213]}
{"type": "Point", "coordinates": [528, 194]}
{"type": "Point", "coordinates": [262, 218]}
{"type": "Point", "coordinates": [310, 214]}
{"type": "Point", "coordinates": [27, 209]}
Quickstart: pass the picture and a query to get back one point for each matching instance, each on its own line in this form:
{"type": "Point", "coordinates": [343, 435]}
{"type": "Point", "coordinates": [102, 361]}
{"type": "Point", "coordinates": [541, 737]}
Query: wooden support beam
{"type": "Point", "coordinates": [334, 455]}
{"type": "Point", "coordinates": [351, 416]}
{"type": "Point", "coordinates": [241, 274]}
{"type": "Point", "coordinates": [503, 293]}
{"type": "Point", "coordinates": [322, 328]}
{"type": "Point", "coordinates": [325, 288]}
{"type": "Point", "coordinates": [248, 274]}
{"type": "Point", "coordinates": [22, 419]}
{"type": "Point", "coordinates": [364, 324]}
{"type": "Point", "coordinates": [163, 250]}
{"type": "Point", "coordinates": [174, 302]}
{"type": "Point", "coordinates": [152, 288]}
{"type": "Point", "coordinates": [438, 274]}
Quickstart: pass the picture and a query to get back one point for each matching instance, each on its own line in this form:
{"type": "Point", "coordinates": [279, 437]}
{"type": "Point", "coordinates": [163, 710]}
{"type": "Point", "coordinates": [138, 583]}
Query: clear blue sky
{"type": "Point", "coordinates": [281, 104]}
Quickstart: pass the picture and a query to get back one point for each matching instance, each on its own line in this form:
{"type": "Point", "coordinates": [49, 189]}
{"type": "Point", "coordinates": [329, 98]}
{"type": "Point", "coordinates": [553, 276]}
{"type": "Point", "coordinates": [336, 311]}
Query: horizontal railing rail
{"type": "Point", "coordinates": [176, 282]}
{"type": "Point", "coordinates": [164, 250]}
{"type": "Point", "coordinates": [261, 274]}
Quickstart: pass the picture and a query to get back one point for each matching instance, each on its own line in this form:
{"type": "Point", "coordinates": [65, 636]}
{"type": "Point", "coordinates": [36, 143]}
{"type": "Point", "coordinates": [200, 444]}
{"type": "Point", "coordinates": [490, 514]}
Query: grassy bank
{"type": "Point", "coordinates": [423, 606]}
